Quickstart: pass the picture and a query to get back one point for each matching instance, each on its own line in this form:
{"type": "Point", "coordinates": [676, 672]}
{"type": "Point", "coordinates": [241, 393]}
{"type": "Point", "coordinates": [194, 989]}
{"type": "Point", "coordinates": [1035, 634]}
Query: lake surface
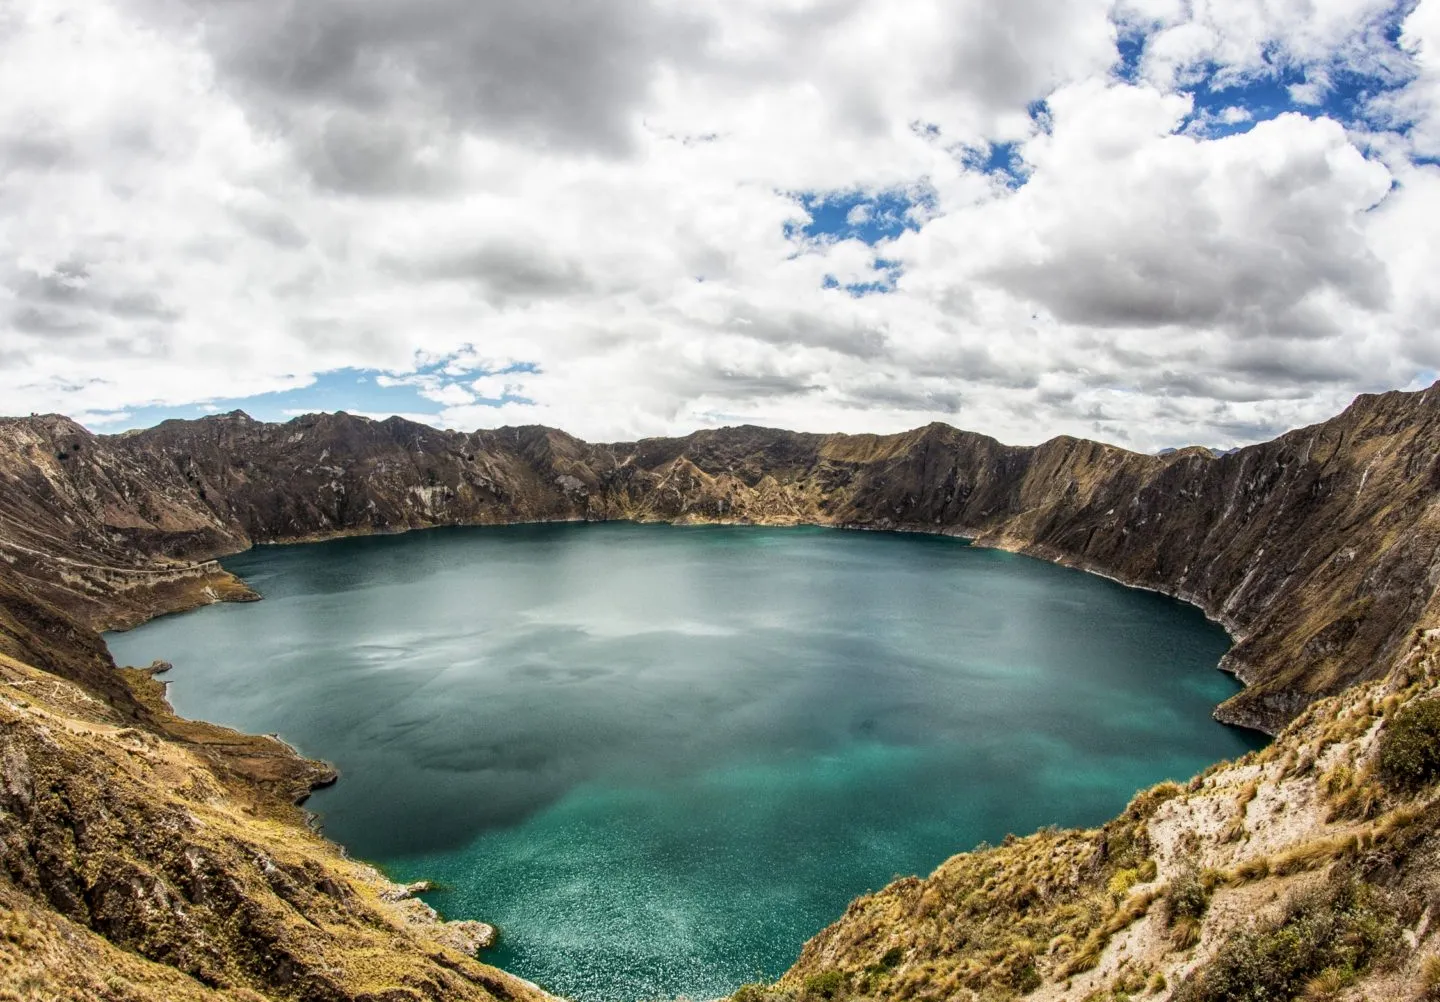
{"type": "Point", "coordinates": [661, 758]}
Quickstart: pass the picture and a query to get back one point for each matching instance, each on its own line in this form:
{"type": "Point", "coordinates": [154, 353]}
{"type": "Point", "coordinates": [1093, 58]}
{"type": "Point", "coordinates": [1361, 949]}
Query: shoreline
{"type": "Point", "coordinates": [248, 594]}
{"type": "Point", "coordinates": [964, 537]}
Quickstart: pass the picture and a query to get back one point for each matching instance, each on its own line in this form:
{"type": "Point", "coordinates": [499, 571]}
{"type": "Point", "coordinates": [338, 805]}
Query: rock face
{"type": "Point", "coordinates": [1317, 550]}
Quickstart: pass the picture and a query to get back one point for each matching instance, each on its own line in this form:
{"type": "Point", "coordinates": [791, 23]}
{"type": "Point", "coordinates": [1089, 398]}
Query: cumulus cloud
{"type": "Point", "coordinates": [648, 216]}
{"type": "Point", "coordinates": [1414, 109]}
{"type": "Point", "coordinates": [1231, 41]}
{"type": "Point", "coordinates": [365, 88]}
{"type": "Point", "coordinates": [1269, 222]}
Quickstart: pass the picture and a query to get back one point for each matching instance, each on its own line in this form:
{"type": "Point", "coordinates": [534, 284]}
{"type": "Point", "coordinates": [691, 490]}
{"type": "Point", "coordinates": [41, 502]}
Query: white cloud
{"type": "Point", "coordinates": [193, 215]}
{"type": "Point", "coordinates": [1416, 107]}
{"type": "Point", "coordinates": [1241, 39]}
{"type": "Point", "coordinates": [449, 394]}
{"type": "Point", "coordinates": [497, 387]}
{"type": "Point", "coordinates": [1311, 92]}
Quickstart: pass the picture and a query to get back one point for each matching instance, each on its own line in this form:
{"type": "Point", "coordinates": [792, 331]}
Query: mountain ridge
{"type": "Point", "coordinates": [164, 500]}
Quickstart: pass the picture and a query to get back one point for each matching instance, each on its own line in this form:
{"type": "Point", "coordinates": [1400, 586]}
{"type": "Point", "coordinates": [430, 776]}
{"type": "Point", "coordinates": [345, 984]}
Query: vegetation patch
{"type": "Point", "coordinates": [1236, 830]}
{"type": "Point", "coordinates": [993, 923]}
{"type": "Point", "coordinates": [1324, 940]}
{"type": "Point", "coordinates": [1410, 746]}
{"type": "Point", "coordinates": [1430, 979]}
{"type": "Point", "coordinates": [1352, 795]}
{"type": "Point", "coordinates": [825, 985]}
{"type": "Point", "coordinates": [1186, 901]}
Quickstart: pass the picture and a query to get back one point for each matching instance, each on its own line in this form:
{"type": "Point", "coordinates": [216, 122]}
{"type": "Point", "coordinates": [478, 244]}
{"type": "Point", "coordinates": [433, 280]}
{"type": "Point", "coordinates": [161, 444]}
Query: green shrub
{"type": "Point", "coordinates": [1343, 929]}
{"type": "Point", "coordinates": [1122, 881]}
{"type": "Point", "coordinates": [825, 985]}
{"type": "Point", "coordinates": [1410, 746]}
{"type": "Point", "coordinates": [1188, 897]}
{"type": "Point", "coordinates": [876, 973]}
{"type": "Point", "coordinates": [1026, 979]}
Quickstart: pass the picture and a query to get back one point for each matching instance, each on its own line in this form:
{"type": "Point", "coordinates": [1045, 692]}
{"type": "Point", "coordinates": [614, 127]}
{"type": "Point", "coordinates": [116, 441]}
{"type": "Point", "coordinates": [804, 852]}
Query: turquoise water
{"type": "Point", "coordinates": [661, 758]}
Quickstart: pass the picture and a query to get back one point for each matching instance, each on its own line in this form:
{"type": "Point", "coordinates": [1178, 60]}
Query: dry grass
{"type": "Point", "coordinates": [238, 881]}
{"type": "Point", "coordinates": [1000, 919]}
{"type": "Point", "coordinates": [1313, 855]}
{"type": "Point", "coordinates": [1050, 908]}
{"type": "Point", "coordinates": [1236, 829]}
{"type": "Point", "coordinates": [1185, 933]}
{"type": "Point", "coordinates": [1429, 979]}
{"type": "Point", "coordinates": [1251, 870]}
{"type": "Point", "coordinates": [1327, 985]}
{"type": "Point", "coordinates": [1360, 800]}
{"type": "Point", "coordinates": [1123, 917]}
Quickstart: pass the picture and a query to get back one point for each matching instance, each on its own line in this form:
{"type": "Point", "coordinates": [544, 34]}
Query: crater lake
{"type": "Point", "coordinates": [660, 758]}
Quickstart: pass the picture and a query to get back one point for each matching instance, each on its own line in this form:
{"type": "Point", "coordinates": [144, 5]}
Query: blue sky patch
{"type": "Point", "coordinates": [871, 217]}
{"type": "Point", "coordinates": [1332, 90]}
{"type": "Point", "coordinates": [1221, 110]}
{"type": "Point", "coordinates": [1228, 106]}
{"type": "Point", "coordinates": [1001, 161]}
{"type": "Point", "coordinates": [855, 214]}
{"type": "Point", "coordinates": [1341, 94]}
{"type": "Point", "coordinates": [1130, 46]}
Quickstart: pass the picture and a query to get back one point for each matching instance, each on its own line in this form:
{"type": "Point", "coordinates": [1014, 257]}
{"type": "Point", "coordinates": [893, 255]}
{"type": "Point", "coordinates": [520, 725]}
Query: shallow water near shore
{"type": "Point", "coordinates": [660, 758]}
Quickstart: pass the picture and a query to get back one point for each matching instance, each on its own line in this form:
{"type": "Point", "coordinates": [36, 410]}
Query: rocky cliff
{"type": "Point", "coordinates": [1317, 550]}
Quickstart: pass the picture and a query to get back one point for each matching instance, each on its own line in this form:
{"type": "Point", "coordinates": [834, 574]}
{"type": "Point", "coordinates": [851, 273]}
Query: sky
{"type": "Point", "coordinates": [1151, 222]}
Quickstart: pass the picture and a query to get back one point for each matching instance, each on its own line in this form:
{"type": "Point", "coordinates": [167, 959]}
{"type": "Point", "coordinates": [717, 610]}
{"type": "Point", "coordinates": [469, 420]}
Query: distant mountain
{"type": "Point", "coordinates": [1214, 452]}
